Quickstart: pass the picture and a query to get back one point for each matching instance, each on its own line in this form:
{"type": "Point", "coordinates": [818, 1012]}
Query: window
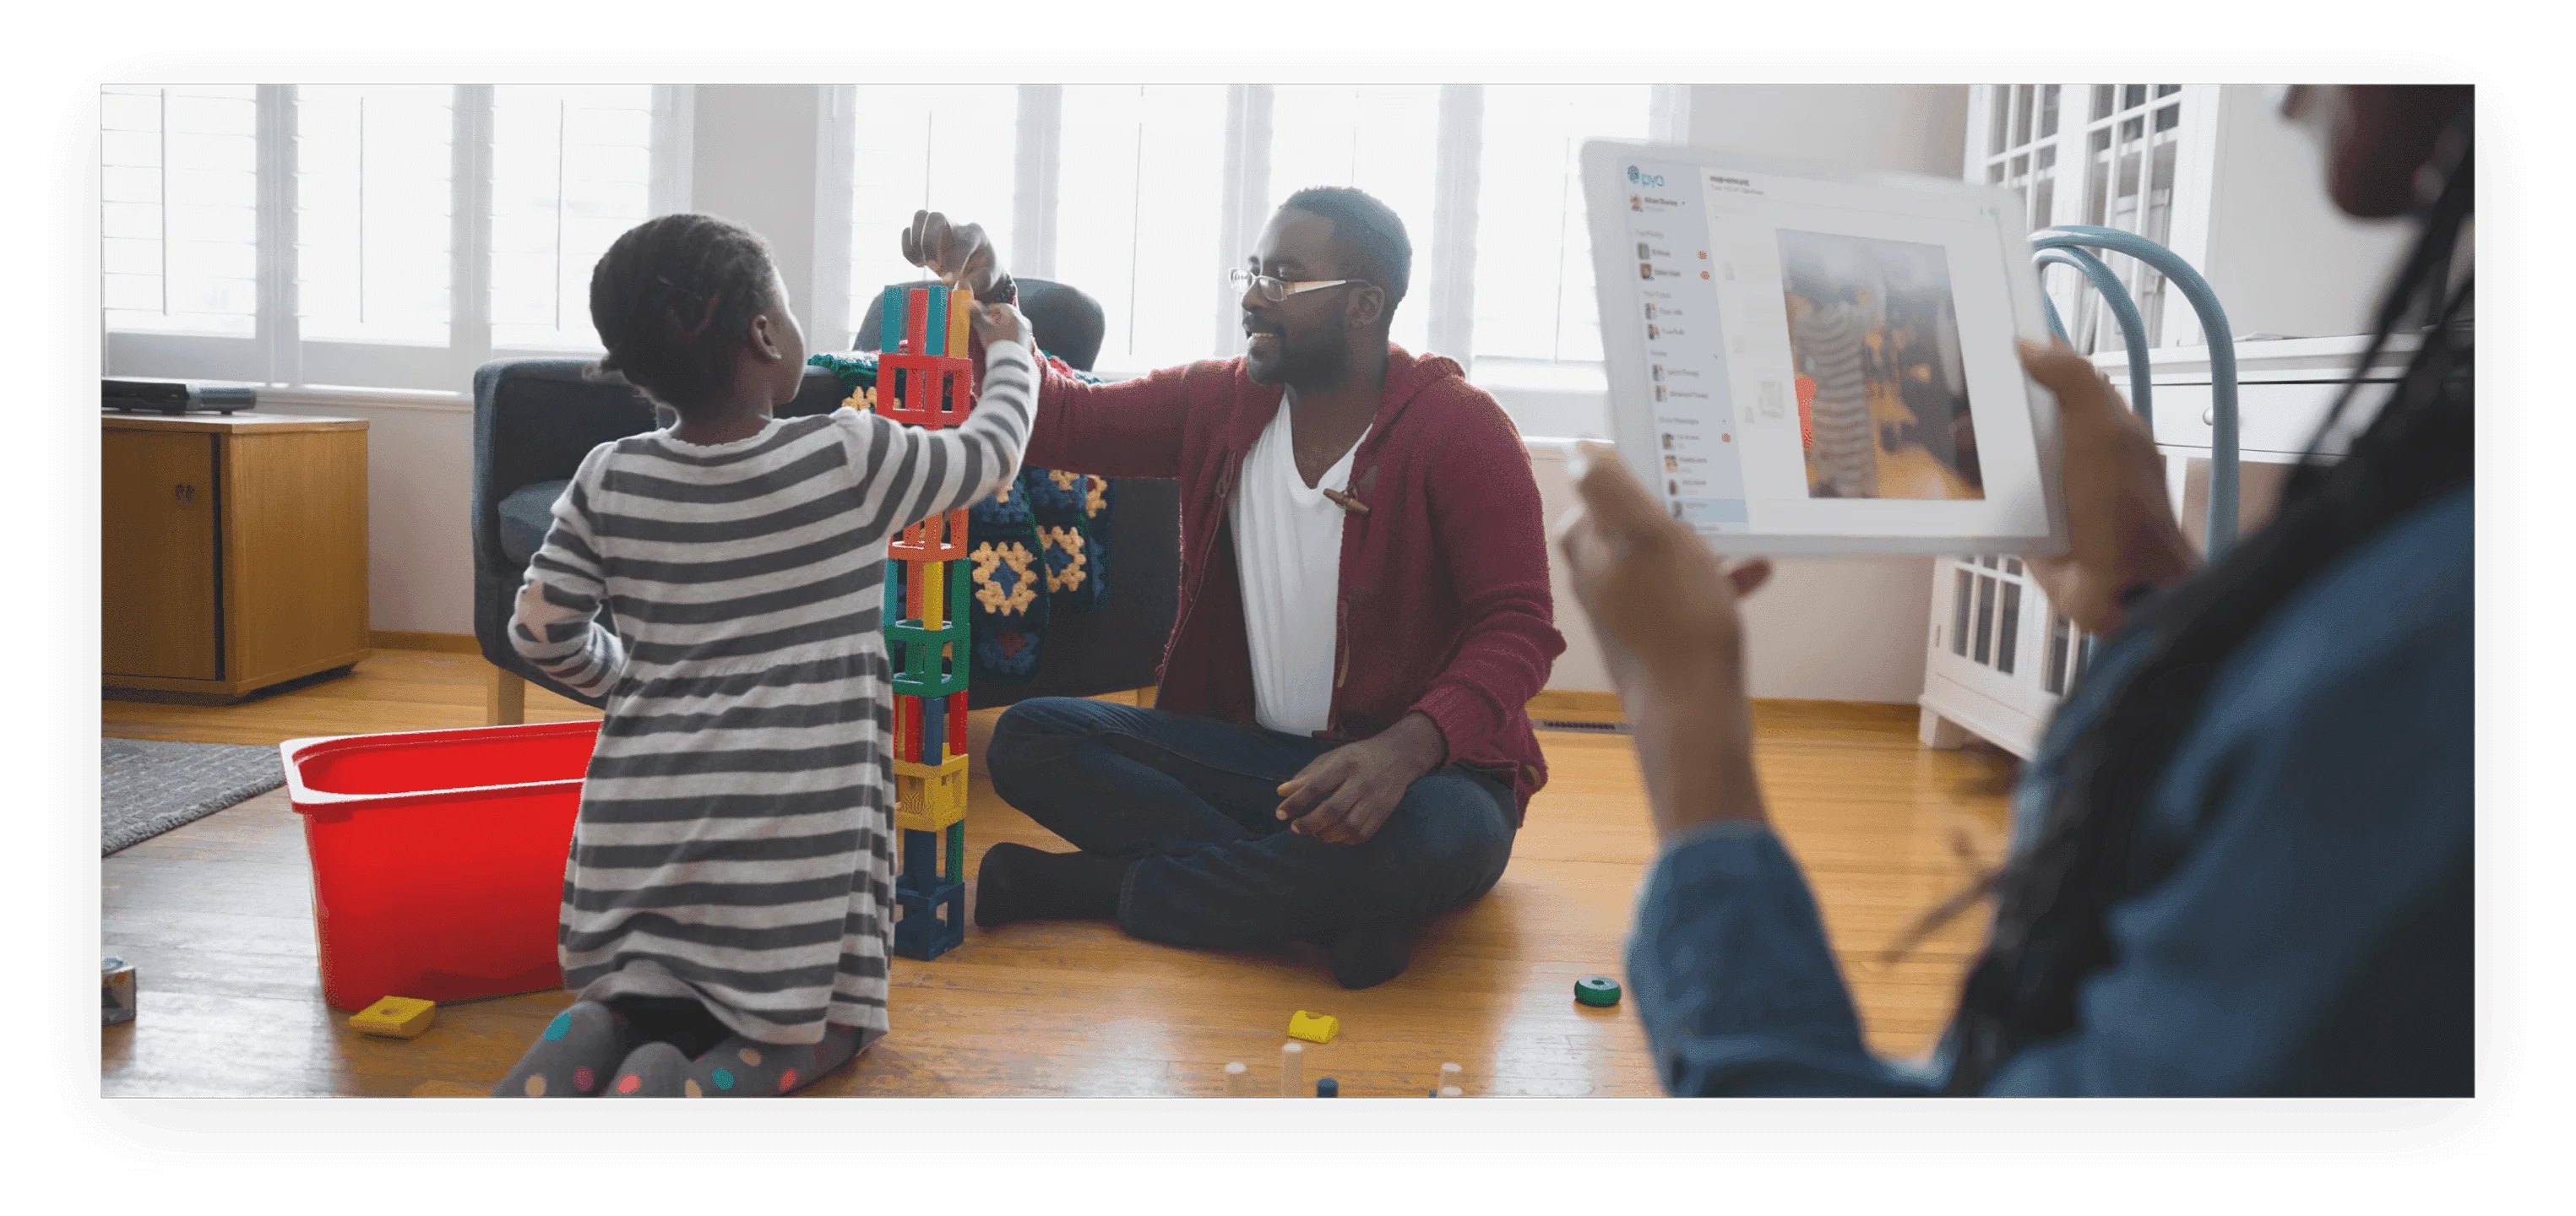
{"type": "Point", "coordinates": [397, 236]}
{"type": "Point", "coordinates": [1138, 213]}
{"type": "Point", "coordinates": [372, 212]}
{"type": "Point", "coordinates": [571, 170]}
{"type": "Point", "coordinates": [1383, 140]}
{"type": "Point", "coordinates": [1144, 196]}
{"type": "Point", "coordinates": [310, 235]}
{"type": "Point", "coordinates": [179, 209]}
{"type": "Point", "coordinates": [1533, 247]}
{"type": "Point", "coordinates": [2110, 162]}
{"type": "Point", "coordinates": [926, 148]}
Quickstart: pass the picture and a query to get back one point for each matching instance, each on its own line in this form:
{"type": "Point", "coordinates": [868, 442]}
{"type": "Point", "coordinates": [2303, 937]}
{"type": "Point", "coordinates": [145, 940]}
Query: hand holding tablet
{"type": "Point", "coordinates": [1802, 361]}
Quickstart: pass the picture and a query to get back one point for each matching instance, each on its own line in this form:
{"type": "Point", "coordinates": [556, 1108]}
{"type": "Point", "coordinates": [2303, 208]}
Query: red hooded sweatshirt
{"type": "Point", "coordinates": [1444, 604]}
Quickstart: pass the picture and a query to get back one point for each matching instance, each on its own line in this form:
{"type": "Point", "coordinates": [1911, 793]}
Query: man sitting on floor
{"type": "Point", "coordinates": [1340, 748]}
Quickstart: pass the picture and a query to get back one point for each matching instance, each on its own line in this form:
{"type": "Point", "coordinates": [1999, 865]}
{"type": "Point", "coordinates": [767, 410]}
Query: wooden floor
{"type": "Point", "coordinates": [217, 918]}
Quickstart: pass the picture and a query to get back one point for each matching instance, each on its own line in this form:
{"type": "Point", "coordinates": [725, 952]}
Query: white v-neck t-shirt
{"type": "Point", "coordinates": [1288, 558]}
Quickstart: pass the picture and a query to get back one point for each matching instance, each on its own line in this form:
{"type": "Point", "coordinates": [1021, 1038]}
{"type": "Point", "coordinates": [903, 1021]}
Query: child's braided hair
{"type": "Point", "coordinates": [672, 298]}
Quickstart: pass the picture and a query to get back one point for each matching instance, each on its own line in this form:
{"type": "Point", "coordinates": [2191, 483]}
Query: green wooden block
{"type": "Point", "coordinates": [958, 631]}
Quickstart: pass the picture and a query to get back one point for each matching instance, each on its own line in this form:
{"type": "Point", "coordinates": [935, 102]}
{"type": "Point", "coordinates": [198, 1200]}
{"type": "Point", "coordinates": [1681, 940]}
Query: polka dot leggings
{"type": "Point", "coordinates": [655, 1048]}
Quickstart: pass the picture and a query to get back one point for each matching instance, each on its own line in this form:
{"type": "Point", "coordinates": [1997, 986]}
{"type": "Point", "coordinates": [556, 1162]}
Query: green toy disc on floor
{"type": "Point", "coordinates": [1597, 990]}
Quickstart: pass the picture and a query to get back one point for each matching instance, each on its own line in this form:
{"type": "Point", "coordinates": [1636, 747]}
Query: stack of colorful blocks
{"type": "Point", "coordinates": [926, 380]}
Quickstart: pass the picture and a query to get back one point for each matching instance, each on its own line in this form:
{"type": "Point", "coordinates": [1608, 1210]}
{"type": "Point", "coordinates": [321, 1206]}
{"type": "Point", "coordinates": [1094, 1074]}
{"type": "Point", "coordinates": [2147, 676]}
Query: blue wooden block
{"type": "Point", "coordinates": [890, 330]}
{"type": "Point", "coordinates": [934, 327]}
{"type": "Point", "coordinates": [934, 732]}
{"type": "Point", "coordinates": [1326, 1087]}
{"type": "Point", "coordinates": [930, 906]}
{"type": "Point", "coordinates": [923, 936]}
{"type": "Point", "coordinates": [920, 861]}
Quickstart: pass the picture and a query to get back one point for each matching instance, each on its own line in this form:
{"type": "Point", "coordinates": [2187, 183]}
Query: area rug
{"type": "Point", "coordinates": [146, 787]}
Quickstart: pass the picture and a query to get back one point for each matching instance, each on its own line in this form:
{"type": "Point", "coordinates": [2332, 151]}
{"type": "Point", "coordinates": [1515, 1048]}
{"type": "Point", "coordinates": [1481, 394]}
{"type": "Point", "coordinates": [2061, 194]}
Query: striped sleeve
{"type": "Point", "coordinates": [555, 624]}
{"type": "Point", "coordinates": [923, 473]}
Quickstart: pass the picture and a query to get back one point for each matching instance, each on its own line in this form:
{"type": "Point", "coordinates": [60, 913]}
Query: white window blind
{"type": "Point", "coordinates": [1138, 213]}
{"type": "Point", "coordinates": [1534, 296]}
{"type": "Point", "coordinates": [179, 209]}
{"type": "Point", "coordinates": [372, 208]}
{"type": "Point", "coordinates": [1381, 139]}
{"type": "Point", "coordinates": [571, 170]}
{"type": "Point", "coordinates": [944, 148]}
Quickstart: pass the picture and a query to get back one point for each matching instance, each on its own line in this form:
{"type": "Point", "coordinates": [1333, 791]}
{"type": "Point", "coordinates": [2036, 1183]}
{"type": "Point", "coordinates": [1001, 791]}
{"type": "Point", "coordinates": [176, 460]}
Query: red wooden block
{"type": "Point", "coordinates": [940, 538]}
{"type": "Point", "coordinates": [916, 318]}
{"type": "Point", "coordinates": [927, 391]}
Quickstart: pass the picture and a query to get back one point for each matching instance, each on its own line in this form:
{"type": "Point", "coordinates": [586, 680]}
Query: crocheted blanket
{"type": "Point", "coordinates": [1037, 548]}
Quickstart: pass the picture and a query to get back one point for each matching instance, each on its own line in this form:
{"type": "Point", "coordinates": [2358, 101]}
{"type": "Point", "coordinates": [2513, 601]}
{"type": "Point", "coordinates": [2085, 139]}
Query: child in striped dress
{"type": "Point", "coordinates": [729, 898]}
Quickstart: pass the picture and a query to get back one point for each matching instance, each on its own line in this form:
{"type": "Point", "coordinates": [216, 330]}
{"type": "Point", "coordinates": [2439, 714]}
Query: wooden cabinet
{"type": "Point", "coordinates": [233, 551]}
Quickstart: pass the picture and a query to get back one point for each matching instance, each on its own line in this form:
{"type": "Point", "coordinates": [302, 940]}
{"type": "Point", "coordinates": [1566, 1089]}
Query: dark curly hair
{"type": "Point", "coordinates": [671, 299]}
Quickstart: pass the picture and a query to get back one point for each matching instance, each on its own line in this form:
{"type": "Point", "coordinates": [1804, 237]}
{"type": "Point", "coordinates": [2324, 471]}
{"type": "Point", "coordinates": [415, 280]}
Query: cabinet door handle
{"type": "Point", "coordinates": [186, 493]}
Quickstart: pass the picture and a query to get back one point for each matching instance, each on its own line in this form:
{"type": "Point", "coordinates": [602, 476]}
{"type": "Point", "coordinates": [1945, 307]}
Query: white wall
{"type": "Point", "coordinates": [2282, 258]}
{"type": "Point", "coordinates": [1823, 630]}
{"type": "Point", "coordinates": [420, 483]}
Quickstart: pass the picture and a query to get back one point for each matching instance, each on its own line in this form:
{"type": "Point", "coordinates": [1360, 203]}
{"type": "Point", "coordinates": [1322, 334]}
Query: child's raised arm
{"type": "Point", "coordinates": [910, 474]}
{"type": "Point", "coordinates": [555, 623]}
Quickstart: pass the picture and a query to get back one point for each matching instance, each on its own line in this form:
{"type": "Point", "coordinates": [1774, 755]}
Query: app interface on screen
{"type": "Point", "coordinates": [1803, 342]}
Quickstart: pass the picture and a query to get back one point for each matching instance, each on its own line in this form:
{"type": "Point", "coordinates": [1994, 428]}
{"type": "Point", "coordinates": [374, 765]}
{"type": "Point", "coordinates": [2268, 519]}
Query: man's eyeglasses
{"type": "Point", "coordinates": [1276, 289]}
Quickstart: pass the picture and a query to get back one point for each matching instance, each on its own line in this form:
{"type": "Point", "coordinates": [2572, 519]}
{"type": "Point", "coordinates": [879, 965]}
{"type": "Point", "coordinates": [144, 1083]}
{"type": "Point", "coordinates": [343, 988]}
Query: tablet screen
{"type": "Point", "coordinates": [1805, 358]}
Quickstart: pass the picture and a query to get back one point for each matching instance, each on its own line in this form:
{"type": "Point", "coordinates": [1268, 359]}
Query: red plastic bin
{"type": "Point", "coordinates": [438, 856]}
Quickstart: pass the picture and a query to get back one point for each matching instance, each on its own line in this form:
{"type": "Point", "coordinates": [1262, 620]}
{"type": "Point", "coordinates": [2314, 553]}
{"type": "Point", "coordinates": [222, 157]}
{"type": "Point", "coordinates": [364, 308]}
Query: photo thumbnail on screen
{"type": "Point", "coordinates": [1882, 394]}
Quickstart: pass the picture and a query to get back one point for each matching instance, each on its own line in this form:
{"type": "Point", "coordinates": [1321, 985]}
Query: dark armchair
{"type": "Point", "coordinates": [534, 420]}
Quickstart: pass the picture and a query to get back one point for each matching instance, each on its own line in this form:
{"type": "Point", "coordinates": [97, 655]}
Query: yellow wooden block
{"type": "Point", "coordinates": [929, 797]}
{"type": "Point", "coordinates": [1313, 1027]}
{"type": "Point", "coordinates": [395, 1017]}
{"type": "Point", "coordinates": [934, 593]}
{"type": "Point", "coordinates": [952, 768]}
{"type": "Point", "coordinates": [961, 305]}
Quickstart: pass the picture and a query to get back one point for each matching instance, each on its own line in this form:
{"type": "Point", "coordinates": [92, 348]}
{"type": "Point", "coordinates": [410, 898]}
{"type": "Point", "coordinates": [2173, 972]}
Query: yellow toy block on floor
{"type": "Point", "coordinates": [929, 797]}
{"type": "Point", "coordinates": [395, 1017]}
{"type": "Point", "coordinates": [1313, 1027]}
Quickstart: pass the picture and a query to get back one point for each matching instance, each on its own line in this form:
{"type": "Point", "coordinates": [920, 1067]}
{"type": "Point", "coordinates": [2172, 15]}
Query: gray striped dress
{"type": "Point", "coordinates": [1833, 337]}
{"type": "Point", "coordinates": [735, 839]}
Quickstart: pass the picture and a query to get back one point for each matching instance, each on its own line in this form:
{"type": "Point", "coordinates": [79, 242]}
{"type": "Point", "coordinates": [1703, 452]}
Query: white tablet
{"type": "Point", "coordinates": [1804, 361]}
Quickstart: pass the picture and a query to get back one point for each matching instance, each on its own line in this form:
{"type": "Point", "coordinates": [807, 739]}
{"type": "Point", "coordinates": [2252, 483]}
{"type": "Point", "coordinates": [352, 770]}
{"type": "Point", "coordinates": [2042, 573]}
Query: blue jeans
{"type": "Point", "coordinates": [1195, 800]}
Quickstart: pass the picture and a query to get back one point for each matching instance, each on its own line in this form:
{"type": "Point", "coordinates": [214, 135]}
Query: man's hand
{"type": "Point", "coordinates": [958, 255]}
{"type": "Point", "coordinates": [2121, 526]}
{"type": "Point", "coordinates": [1663, 608]}
{"type": "Point", "coordinates": [1346, 794]}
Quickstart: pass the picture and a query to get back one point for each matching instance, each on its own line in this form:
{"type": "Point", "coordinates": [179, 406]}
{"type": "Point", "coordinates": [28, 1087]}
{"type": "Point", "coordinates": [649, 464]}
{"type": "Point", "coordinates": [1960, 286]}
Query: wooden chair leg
{"type": "Point", "coordinates": [1939, 733]}
{"type": "Point", "coordinates": [505, 699]}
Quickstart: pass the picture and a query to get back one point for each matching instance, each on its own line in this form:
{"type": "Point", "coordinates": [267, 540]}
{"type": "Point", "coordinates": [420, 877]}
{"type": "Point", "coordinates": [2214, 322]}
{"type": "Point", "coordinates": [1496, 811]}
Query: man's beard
{"type": "Point", "coordinates": [1319, 361]}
